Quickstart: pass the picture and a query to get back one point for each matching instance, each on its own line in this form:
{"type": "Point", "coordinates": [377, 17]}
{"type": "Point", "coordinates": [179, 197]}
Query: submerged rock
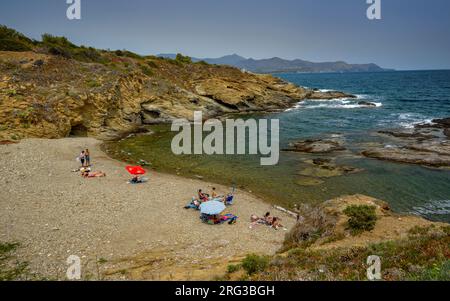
{"type": "Point", "coordinates": [324, 168]}
{"type": "Point", "coordinates": [316, 146]}
{"type": "Point", "coordinates": [308, 181]}
{"type": "Point", "coordinates": [367, 104]}
{"type": "Point", "coordinates": [401, 134]}
{"type": "Point", "coordinates": [413, 155]}
{"type": "Point", "coordinates": [316, 94]}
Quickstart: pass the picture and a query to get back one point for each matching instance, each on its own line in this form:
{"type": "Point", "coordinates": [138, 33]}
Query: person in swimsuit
{"type": "Point", "coordinates": [82, 158]}
{"type": "Point", "coordinates": [94, 174]}
{"type": "Point", "coordinates": [268, 219]}
{"type": "Point", "coordinates": [201, 196]}
{"type": "Point", "coordinates": [214, 193]}
{"type": "Point", "coordinates": [276, 223]}
{"type": "Point", "coordinates": [87, 157]}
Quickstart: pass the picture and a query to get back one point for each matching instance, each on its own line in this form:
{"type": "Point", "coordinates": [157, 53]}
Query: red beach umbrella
{"type": "Point", "coordinates": [135, 170]}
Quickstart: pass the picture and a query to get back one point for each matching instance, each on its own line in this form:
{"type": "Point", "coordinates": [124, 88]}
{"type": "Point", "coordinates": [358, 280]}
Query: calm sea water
{"type": "Point", "coordinates": [403, 99]}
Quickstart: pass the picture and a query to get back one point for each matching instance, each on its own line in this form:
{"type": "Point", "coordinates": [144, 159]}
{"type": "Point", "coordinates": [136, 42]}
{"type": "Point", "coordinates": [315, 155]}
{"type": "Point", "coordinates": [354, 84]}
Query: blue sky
{"type": "Point", "coordinates": [413, 34]}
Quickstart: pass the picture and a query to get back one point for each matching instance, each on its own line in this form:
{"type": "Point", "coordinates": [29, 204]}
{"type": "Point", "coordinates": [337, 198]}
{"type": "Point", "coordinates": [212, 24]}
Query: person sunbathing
{"type": "Point", "coordinates": [194, 204]}
{"type": "Point", "coordinates": [268, 219]}
{"type": "Point", "coordinates": [255, 220]}
{"type": "Point", "coordinates": [136, 180]}
{"type": "Point", "coordinates": [93, 174]}
{"type": "Point", "coordinates": [203, 197]}
{"type": "Point", "coordinates": [276, 223]}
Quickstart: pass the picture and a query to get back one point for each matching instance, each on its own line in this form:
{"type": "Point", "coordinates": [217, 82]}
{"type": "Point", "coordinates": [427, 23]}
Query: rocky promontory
{"type": "Point", "coordinates": [56, 89]}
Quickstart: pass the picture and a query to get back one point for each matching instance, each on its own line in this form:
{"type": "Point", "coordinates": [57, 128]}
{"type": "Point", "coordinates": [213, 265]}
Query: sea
{"type": "Point", "coordinates": [402, 99]}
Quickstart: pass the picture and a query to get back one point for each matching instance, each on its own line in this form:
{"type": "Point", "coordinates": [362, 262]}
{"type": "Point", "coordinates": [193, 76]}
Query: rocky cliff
{"type": "Point", "coordinates": [52, 94]}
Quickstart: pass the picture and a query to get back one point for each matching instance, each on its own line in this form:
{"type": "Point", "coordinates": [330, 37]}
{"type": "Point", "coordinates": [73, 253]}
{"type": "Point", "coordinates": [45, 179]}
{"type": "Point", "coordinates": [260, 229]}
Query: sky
{"type": "Point", "coordinates": [412, 34]}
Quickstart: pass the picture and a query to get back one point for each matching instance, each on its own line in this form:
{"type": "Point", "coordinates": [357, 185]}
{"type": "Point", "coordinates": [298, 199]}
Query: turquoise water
{"type": "Point", "coordinates": [403, 99]}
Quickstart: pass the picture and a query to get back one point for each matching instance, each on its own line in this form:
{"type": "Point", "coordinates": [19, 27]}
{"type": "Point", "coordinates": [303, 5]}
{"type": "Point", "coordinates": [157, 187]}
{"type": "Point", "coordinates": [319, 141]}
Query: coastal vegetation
{"type": "Point", "coordinates": [10, 267]}
{"type": "Point", "coordinates": [322, 246]}
{"type": "Point", "coordinates": [361, 218]}
{"type": "Point", "coordinates": [422, 256]}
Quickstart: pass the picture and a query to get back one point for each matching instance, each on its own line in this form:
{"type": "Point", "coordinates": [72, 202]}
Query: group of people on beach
{"type": "Point", "coordinates": [204, 197]}
{"type": "Point", "coordinates": [213, 219]}
{"type": "Point", "coordinates": [267, 219]}
{"type": "Point", "coordinates": [85, 159]}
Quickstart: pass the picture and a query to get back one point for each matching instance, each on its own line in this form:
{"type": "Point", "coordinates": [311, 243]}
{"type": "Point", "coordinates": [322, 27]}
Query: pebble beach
{"type": "Point", "coordinates": [119, 231]}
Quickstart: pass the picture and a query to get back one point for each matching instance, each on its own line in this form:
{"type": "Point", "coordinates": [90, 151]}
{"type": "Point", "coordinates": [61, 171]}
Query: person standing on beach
{"type": "Point", "coordinates": [82, 158]}
{"type": "Point", "coordinates": [87, 157]}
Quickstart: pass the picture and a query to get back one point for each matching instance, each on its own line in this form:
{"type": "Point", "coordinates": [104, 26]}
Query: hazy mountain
{"type": "Point", "coordinates": [275, 64]}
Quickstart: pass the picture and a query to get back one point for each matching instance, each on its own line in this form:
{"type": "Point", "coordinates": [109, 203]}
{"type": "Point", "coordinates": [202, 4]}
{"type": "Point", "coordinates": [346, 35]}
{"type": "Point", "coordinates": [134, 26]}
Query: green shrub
{"type": "Point", "coordinates": [13, 45]}
{"type": "Point", "coordinates": [437, 272]}
{"type": "Point", "coordinates": [146, 70]}
{"type": "Point", "coordinates": [203, 63]}
{"type": "Point", "coordinates": [50, 40]}
{"type": "Point", "coordinates": [129, 54]}
{"type": "Point", "coordinates": [315, 224]}
{"type": "Point", "coordinates": [118, 52]}
{"type": "Point", "coordinates": [183, 59]}
{"type": "Point", "coordinates": [11, 40]}
{"type": "Point", "coordinates": [362, 217]}
{"type": "Point", "coordinates": [11, 268]}
{"type": "Point", "coordinates": [254, 263]}
{"type": "Point", "coordinates": [93, 83]}
{"type": "Point", "coordinates": [233, 268]}
{"type": "Point", "coordinates": [88, 55]}
{"type": "Point", "coordinates": [152, 64]}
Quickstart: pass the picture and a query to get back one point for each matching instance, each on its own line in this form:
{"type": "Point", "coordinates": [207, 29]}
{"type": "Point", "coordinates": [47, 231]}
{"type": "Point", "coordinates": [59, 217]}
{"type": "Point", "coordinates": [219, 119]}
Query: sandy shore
{"type": "Point", "coordinates": [119, 231]}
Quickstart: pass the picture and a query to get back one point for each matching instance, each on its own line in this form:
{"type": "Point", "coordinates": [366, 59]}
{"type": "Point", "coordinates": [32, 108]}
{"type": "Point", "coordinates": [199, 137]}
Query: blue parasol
{"type": "Point", "coordinates": [212, 207]}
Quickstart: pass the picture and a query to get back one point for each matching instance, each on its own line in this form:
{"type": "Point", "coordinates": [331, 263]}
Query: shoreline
{"type": "Point", "coordinates": [55, 213]}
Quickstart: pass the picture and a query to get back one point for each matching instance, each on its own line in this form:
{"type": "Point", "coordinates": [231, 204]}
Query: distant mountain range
{"type": "Point", "coordinates": [279, 65]}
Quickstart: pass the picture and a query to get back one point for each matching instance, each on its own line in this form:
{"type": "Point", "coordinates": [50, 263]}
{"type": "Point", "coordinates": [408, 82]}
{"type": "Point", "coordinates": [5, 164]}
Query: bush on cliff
{"type": "Point", "coordinates": [254, 263]}
{"type": "Point", "coordinates": [361, 217]}
{"type": "Point", "coordinates": [421, 256]}
{"type": "Point", "coordinates": [183, 59]}
{"type": "Point", "coordinates": [11, 40]}
{"type": "Point", "coordinates": [63, 47]}
{"type": "Point", "coordinates": [315, 224]}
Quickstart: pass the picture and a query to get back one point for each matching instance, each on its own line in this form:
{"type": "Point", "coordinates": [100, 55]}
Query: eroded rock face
{"type": "Point", "coordinates": [316, 146]}
{"type": "Point", "coordinates": [447, 132]}
{"type": "Point", "coordinates": [48, 95]}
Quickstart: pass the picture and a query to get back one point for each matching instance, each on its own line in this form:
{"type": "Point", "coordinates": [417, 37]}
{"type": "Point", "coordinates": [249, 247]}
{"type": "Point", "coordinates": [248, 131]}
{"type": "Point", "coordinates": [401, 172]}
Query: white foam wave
{"type": "Point", "coordinates": [342, 105]}
{"type": "Point", "coordinates": [410, 120]}
{"type": "Point", "coordinates": [438, 207]}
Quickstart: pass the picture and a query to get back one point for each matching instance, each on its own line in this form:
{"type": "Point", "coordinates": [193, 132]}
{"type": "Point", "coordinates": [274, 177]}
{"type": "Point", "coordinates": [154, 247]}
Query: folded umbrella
{"type": "Point", "coordinates": [212, 207]}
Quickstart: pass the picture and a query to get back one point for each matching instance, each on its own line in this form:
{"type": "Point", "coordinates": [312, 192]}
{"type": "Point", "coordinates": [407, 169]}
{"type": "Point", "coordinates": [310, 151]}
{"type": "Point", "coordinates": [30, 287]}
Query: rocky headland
{"type": "Point", "coordinates": [54, 89]}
